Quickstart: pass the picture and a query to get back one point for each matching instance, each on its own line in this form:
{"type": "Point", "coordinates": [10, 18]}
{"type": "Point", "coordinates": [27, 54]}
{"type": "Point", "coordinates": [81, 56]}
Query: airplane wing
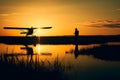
{"type": "Point", "coordinates": [26, 28]}
{"type": "Point", "coordinates": [45, 27]}
{"type": "Point", "coordinates": [16, 28]}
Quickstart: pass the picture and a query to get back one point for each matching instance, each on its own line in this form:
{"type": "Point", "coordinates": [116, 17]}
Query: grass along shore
{"type": "Point", "coordinates": [11, 68]}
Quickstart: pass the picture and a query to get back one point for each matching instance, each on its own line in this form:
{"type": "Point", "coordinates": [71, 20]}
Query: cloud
{"type": "Point", "coordinates": [41, 2]}
{"type": "Point", "coordinates": [103, 24]}
{"type": "Point", "coordinates": [10, 14]}
{"type": "Point", "coordinates": [118, 9]}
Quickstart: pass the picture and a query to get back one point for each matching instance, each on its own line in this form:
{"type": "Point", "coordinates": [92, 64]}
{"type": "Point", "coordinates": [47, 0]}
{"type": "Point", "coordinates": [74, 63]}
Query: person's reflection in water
{"type": "Point", "coordinates": [76, 51]}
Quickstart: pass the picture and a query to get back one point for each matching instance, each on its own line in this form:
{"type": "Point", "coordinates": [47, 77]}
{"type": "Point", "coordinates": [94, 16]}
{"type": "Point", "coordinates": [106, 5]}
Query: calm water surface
{"type": "Point", "coordinates": [82, 66]}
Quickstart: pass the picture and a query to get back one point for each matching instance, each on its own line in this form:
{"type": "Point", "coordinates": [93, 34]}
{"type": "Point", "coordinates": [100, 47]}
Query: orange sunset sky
{"type": "Point", "coordinates": [91, 17]}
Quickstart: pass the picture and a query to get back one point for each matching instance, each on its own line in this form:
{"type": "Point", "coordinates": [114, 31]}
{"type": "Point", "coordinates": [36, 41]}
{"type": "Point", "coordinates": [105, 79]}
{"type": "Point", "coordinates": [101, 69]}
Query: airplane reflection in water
{"type": "Point", "coordinates": [29, 53]}
{"type": "Point", "coordinates": [104, 52]}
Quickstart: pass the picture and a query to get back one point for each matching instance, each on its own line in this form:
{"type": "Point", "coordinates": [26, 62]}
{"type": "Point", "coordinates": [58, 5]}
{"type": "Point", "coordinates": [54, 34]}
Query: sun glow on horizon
{"type": "Point", "coordinates": [37, 32]}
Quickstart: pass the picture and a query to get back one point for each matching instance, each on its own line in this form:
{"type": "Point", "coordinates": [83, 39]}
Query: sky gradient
{"type": "Point", "coordinates": [91, 17]}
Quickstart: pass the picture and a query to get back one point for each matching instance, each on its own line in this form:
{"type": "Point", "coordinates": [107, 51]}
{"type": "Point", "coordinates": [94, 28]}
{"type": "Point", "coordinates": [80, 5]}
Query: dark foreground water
{"type": "Point", "coordinates": [83, 62]}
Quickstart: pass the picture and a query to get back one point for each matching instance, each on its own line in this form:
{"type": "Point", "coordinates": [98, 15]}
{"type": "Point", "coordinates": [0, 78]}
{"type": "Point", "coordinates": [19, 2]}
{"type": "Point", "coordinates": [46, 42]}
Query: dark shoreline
{"type": "Point", "coordinates": [94, 39]}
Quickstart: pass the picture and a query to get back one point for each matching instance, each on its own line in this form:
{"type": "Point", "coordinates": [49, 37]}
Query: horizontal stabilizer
{"type": "Point", "coordinates": [23, 33]}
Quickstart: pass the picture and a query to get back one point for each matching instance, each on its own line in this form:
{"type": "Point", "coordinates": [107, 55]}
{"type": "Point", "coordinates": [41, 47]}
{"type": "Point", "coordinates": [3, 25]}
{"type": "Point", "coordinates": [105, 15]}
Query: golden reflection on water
{"type": "Point", "coordinates": [82, 65]}
{"type": "Point", "coordinates": [38, 49]}
{"type": "Point", "coordinates": [47, 52]}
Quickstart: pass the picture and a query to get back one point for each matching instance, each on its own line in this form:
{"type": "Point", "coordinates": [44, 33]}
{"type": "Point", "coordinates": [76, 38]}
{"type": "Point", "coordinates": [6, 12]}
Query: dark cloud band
{"type": "Point", "coordinates": [104, 23]}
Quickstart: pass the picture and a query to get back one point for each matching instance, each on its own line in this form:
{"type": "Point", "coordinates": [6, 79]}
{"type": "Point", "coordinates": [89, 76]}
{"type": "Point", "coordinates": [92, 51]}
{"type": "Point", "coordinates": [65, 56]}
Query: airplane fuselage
{"type": "Point", "coordinates": [30, 31]}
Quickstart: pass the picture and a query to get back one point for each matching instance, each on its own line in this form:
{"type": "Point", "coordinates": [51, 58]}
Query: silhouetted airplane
{"type": "Point", "coordinates": [29, 30]}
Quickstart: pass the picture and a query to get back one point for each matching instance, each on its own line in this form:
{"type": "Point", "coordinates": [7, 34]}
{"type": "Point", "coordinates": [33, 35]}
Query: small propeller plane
{"type": "Point", "coordinates": [30, 31]}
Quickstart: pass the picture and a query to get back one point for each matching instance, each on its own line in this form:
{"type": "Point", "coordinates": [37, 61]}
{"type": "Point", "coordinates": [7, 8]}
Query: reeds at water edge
{"type": "Point", "coordinates": [14, 68]}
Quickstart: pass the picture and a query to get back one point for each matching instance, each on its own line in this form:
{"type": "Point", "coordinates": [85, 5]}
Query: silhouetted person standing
{"type": "Point", "coordinates": [76, 33]}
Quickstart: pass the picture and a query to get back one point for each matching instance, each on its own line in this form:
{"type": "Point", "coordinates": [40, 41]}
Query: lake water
{"type": "Point", "coordinates": [83, 63]}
